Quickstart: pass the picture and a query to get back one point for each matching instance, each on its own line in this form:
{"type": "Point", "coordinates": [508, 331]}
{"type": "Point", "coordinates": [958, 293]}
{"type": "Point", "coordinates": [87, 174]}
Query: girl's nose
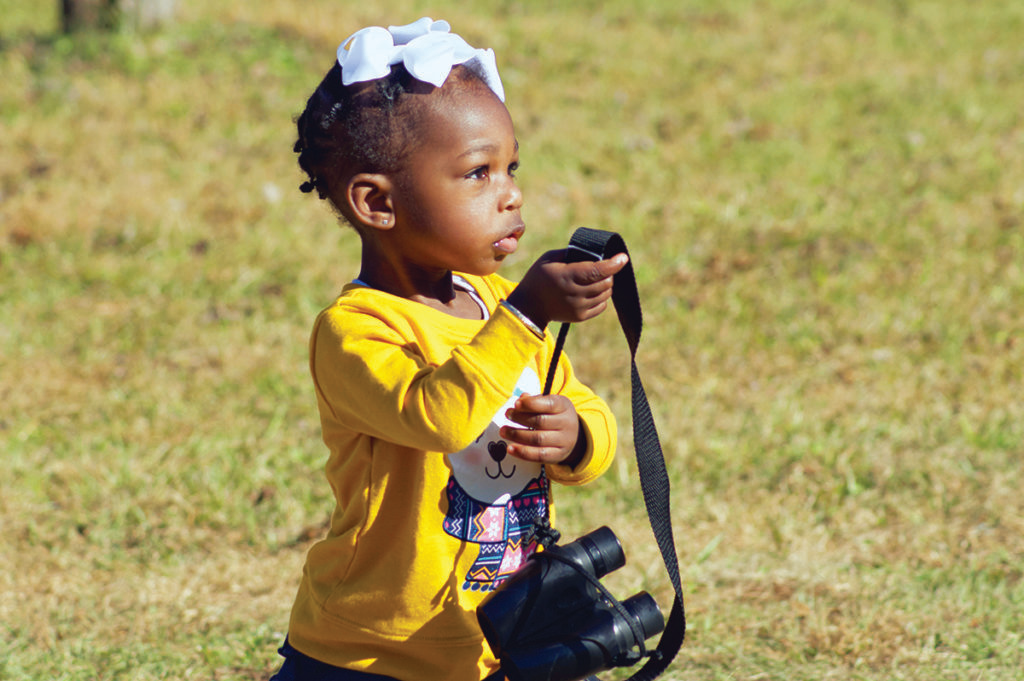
{"type": "Point", "coordinates": [514, 198]}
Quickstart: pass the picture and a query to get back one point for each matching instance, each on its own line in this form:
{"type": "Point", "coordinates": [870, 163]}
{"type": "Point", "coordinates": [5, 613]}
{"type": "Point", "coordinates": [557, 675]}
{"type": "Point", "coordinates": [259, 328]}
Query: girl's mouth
{"type": "Point", "coordinates": [509, 244]}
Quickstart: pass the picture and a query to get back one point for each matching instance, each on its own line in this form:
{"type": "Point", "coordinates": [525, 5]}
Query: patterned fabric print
{"type": "Point", "coordinates": [503, 532]}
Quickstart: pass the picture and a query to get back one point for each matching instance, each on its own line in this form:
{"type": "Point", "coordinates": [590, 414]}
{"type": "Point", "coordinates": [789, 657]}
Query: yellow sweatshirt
{"type": "Point", "coordinates": [431, 513]}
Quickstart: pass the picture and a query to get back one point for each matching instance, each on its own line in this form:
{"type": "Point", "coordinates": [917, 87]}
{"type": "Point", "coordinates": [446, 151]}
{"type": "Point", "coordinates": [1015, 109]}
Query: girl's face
{"type": "Point", "coordinates": [456, 203]}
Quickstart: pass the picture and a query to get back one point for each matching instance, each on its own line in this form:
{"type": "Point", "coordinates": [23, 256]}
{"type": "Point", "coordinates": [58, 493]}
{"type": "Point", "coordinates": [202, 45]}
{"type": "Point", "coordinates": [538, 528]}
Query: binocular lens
{"type": "Point", "coordinates": [603, 551]}
{"type": "Point", "coordinates": [645, 611]}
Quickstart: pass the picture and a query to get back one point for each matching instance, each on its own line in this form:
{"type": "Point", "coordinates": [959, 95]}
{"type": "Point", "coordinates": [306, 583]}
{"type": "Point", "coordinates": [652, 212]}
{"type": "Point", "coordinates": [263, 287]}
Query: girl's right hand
{"type": "Point", "coordinates": [556, 291]}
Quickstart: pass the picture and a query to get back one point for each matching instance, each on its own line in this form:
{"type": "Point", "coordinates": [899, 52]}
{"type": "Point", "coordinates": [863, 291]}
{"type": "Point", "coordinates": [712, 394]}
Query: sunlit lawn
{"type": "Point", "coordinates": [824, 203]}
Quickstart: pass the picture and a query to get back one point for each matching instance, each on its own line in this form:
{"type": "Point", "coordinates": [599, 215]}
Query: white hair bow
{"type": "Point", "coordinates": [427, 48]}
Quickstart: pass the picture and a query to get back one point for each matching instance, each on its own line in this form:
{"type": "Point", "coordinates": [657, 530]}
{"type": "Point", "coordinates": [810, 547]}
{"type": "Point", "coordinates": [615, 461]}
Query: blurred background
{"type": "Point", "coordinates": [824, 204]}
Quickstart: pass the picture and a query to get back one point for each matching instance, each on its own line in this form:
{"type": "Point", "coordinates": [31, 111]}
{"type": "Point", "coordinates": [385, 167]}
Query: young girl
{"type": "Point", "coordinates": [427, 368]}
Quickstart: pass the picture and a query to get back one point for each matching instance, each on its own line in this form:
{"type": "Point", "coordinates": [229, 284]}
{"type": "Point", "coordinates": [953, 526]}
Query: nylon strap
{"type": "Point", "coordinates": [596, 244]}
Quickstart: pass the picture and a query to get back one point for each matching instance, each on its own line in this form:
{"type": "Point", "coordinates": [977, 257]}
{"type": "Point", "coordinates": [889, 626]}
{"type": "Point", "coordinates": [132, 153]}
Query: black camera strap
{"type": "Point", "coordinates": [596, 244]}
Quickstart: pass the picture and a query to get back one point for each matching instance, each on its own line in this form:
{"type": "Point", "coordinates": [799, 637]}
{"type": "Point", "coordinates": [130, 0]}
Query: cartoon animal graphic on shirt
{"type": "Point", "coordinates": [494, 499]}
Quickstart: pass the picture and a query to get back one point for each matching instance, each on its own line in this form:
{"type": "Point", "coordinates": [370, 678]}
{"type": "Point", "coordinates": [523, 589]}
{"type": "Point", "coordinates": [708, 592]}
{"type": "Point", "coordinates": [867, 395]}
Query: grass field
{"type": "Point", "coordinates": [825, 205]}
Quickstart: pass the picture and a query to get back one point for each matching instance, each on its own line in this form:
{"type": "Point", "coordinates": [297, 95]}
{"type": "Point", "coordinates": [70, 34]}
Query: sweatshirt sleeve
{"type": "Point", "coordinates": [371, 378]}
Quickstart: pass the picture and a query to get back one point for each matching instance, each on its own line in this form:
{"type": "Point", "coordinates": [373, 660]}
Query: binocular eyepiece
{"type": "Point", "coordinates": [551, 622]}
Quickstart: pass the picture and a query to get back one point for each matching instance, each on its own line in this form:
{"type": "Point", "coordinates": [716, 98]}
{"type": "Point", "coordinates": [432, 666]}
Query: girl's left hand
{"type": "Point", "coordinates": [552, 433]}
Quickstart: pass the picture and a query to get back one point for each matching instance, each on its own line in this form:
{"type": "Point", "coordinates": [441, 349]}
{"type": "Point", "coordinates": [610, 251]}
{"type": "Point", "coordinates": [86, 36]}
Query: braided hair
{"type": "Point", "coordinates": [363, 127]}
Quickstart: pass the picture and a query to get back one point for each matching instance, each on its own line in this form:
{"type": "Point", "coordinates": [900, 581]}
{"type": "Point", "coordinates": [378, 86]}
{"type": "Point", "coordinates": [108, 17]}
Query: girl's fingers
{"type": "Point", "coordinates": [600, 270]}
{"type": "Point", "coordinates": [538, 454]}
{"type": "Point", "coordinates": [528, 437]}
{"type": "Point", "coordinates": [550, 428]}
{"type": "Point", "coordinates": [535, 445]}
{"type": "Point", "coordinates": [540, 404]}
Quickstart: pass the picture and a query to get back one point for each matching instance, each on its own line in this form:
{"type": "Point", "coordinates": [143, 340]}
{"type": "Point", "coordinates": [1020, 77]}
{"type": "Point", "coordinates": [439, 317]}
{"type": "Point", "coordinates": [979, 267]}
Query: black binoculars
{"type": "Point", "coordinates": [553, 621]}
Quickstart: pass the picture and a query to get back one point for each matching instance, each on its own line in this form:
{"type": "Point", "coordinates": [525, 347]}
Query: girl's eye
{"type": "Point", "coordinates": [513, 168]}
{"type": "Point", "coordinates": [478, 173]}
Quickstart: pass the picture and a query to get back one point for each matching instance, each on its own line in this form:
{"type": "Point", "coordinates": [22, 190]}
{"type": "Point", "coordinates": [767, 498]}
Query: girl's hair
{"type": "Point", "coordinates": [363, 127]}
{"type": "Point", "coordinates": [345, 130]}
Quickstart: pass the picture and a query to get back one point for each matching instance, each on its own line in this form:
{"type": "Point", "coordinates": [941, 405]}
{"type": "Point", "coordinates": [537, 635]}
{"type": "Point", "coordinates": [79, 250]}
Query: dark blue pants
{"type": "Point", "coordinates": [300, 667]}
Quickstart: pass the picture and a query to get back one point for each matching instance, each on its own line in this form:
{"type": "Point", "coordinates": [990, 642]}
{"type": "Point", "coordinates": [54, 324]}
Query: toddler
{"type": "Point", "coordinates": [427, 367]}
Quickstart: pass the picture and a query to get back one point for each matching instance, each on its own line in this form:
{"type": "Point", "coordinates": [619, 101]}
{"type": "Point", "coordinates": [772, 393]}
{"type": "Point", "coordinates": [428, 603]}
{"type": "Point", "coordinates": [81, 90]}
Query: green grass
{"type": "Point", "coordinates": [824, 203]}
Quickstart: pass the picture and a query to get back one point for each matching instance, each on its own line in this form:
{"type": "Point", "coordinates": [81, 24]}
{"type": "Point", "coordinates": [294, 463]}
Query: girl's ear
{"type": "Point", "coordinates": [369, 198]}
